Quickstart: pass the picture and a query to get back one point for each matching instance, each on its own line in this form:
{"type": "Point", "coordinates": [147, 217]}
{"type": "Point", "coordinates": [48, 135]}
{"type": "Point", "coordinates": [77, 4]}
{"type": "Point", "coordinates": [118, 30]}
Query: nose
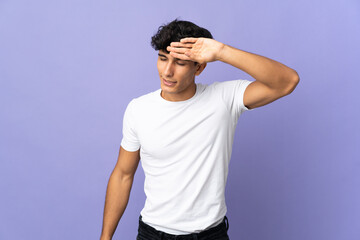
{"type": "Point", "coordinates": [169, 70]}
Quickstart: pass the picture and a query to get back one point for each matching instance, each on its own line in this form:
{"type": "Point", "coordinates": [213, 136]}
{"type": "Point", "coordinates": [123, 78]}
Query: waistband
{"type": "Point", "coordinates": [223, 224]}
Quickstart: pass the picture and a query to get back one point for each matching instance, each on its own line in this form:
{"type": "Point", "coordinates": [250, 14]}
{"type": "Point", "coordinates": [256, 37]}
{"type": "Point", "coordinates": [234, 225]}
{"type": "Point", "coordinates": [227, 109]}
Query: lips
{"type": "Point", "coordinates": [168, 83]}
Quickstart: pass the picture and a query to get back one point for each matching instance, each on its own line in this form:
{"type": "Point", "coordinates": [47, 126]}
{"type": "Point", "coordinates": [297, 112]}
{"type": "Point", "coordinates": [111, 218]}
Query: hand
{"type": "Point", "coordinates": [201, 50]}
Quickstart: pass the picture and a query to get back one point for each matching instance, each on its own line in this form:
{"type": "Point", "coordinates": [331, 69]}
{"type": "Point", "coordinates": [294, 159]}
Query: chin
{"type": "Point", "coordinates": [167, 90]}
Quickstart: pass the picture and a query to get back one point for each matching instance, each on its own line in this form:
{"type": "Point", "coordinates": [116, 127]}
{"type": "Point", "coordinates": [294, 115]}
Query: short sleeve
{"type": "Point", "coordinates": [130, 141]}
{"type": "Point", "coordinates": [232, 92]}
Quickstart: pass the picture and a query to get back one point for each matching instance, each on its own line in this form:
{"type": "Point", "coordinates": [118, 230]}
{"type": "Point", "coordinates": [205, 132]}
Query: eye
{"type": "Point", "coordinates": [162, 59]}
{"type": "Point", "coordinates": [180, 63]}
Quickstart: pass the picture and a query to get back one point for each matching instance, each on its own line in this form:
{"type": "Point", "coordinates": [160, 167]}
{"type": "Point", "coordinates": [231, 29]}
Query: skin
{"type": "Point", "coordinates": [182, 72]}
{"type": "Point", "coordinates": [273, 80]}
{"type": "Point", "coordinates": [118, 191]}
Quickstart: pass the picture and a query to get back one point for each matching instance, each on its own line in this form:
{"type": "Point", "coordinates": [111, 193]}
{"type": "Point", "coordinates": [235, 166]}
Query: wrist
{"type": "Point", "coordinates": [222, 52]}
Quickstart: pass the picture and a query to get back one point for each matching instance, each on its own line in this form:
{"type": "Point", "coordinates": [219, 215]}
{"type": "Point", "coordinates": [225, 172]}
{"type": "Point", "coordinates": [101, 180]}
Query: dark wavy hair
{"type": "Point", "coordinates": [176, 30]}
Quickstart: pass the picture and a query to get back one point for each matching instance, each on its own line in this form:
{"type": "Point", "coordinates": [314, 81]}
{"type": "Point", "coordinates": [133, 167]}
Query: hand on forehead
{"type": "Point", "coordinates": [199, 50]}
{"type": "Point", "coordinates": [185, 42]}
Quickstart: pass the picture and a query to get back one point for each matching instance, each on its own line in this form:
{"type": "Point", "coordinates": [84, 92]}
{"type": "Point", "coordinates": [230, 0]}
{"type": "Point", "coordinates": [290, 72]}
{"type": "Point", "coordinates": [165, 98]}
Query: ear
{"type": "Point", "coordinates": [200, 68]}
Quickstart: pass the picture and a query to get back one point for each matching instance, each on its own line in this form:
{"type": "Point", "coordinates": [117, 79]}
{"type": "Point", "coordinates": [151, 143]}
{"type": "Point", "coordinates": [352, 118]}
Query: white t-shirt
{"type": "Point", "coordinates": [185, 149]}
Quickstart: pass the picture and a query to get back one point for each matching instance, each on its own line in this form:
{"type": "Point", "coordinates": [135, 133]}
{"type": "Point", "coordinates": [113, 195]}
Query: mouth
{"type": "Point", "coordinates": [168, 83]}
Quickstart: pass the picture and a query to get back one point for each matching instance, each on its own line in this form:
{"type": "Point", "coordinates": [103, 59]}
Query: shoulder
{"type": "Point", "coordinates": [229, 88]}
{"type": "Point", "coordinates": [224, 87]}
{"type": "Point", "coordinates": [230, 84]}
{"type": "Point", "coordinates": [143, 101]}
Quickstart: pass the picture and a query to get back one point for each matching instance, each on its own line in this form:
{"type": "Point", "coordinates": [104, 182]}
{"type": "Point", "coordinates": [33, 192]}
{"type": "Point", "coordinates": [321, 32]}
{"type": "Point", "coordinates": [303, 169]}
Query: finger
{"type": "Point", "coordinates": [180, 56]}
{"type": "Point", "coordinates": [188, 40]}
{"type": "Point", "coordinates": [177, 50]}
{"type": "Point", "coordinates": [179, 44]}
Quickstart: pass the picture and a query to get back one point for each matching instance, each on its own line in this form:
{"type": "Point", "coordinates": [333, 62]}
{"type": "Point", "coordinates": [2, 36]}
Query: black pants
{"type": "Point", "coordinates": [219, 232]}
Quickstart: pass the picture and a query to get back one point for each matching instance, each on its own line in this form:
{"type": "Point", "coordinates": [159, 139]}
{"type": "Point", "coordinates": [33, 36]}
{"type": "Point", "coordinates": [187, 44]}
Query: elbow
{"type": "Point", "coordinates": [296, 78]}
{"type": "Point", "coordinates": [122, 176]}
{"type": "Point", "coordinates": [293, 82]}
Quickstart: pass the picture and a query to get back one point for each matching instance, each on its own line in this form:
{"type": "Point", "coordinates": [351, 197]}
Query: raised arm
{"type": "Point", "coordinates": [273, 79]}
{"type": "Point", "coordinates": [118, 191]}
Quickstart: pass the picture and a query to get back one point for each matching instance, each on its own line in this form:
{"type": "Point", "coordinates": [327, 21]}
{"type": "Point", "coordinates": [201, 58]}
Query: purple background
{"type": "Point", "coordinates": [69, 68]}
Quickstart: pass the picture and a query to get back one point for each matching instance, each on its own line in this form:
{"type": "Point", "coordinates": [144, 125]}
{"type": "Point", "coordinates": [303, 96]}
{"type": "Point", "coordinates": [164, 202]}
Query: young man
{"type": "Point", "coordinates": [183, 133]}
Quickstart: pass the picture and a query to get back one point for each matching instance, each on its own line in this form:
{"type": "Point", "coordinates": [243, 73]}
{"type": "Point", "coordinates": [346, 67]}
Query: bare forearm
{"type": "Point", "coordinates": [117, 197]}
{"type": "Point", "coordinates": [268, 71]}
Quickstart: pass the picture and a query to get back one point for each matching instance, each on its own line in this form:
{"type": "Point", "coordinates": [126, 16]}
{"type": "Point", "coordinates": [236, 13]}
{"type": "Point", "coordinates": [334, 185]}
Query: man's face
{"type": "Point", "coordinates": [177, 76]}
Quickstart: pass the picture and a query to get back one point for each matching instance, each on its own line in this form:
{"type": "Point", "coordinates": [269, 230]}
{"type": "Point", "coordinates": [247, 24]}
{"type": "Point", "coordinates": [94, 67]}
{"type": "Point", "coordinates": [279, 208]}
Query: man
{"type": "Point", "coordinates": [183, 133]}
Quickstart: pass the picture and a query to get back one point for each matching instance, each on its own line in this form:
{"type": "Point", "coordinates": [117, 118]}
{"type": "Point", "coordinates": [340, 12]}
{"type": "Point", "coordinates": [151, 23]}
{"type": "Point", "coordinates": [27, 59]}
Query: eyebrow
{"type": "Point", "coordinates": [177, 59]}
